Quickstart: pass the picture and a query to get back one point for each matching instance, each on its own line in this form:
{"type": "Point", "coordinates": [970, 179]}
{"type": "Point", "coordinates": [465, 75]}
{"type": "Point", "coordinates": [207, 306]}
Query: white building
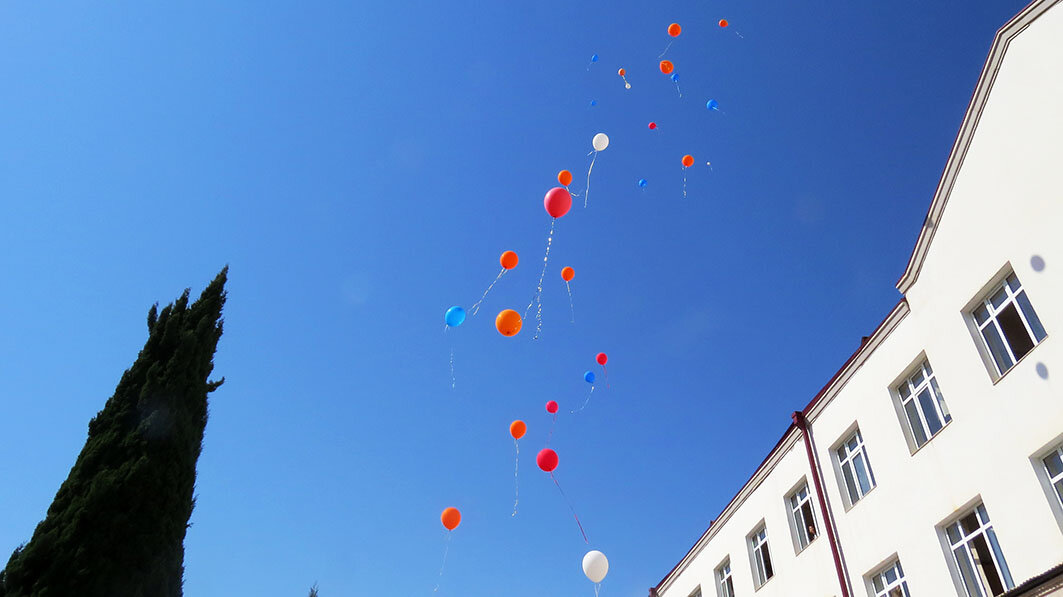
{"type": "Point", "coordinates": [930, 464]}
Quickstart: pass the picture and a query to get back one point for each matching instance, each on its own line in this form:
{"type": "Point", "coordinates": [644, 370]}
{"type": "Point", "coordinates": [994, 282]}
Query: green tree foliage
{"type": "Point", "coordinates": [117, 524]}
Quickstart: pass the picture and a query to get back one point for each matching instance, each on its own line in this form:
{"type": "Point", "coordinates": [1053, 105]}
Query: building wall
{"type": "Point", "coordinates": [1006, 207]}
{"type": "Point", "coordinates": [812, 569]}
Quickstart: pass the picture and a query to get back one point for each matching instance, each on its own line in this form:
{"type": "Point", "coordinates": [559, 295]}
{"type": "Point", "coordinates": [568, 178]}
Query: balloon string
{"type": "Point", "coordinates": [587, 191]}
{"type": "Point", "coordinates": [573, 510]}
{"type": "Point", "coordinates": [606, 370]}
{"type": "Point", "coordinates": [584, 402]}
{"type": "Point", "coordinates": [516, 482]}
{"type": "Point", "coordinates": [626, 84]}
{"type": "Point", "coordinates": [446, 550]}
{"type": "Point", "coordinates": [538, 297]}
{"type": "Point", "coordinates": [476, 306]}
{"type": "Point", "coordinates": [661, 55]}
{"type": "Point", "coordinates": [597, 587]}
{"type": "Point", "coordinates": [453, 380]}
{"type": "Point", "coordinates": [684, 183]}
{"type": "Point", "coordinates": [551, 435]}
{"type": "Point", "coordinates": [570, 192]}
{"type": "Point", "coordinates": [677, 89]}
{"type": "Point", "coordinates": [571, 305]}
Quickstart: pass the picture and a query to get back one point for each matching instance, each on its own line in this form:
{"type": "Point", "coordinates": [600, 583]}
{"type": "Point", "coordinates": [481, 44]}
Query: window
{"type": "Point", "coordinates": [801, 515]}
{"type": "Point", "coordinates": [725, 586]}
{"type": "Point", "coordinates": [977, 555]}
{"type": "Point", "coordinates": [1007, 323]}
{"type": "Point", "coordinates": [923, 404]}
{"type": "Point", "coordinates": [852, 458]}
{"type": "Point", "coordinates": [890, 582]}
{"type": "Point", "coordinates": [696, 593]}
{"type": "Point", "coordinates": [762, 570]}
{"type": "Point", "coordinates": [1053, 464]}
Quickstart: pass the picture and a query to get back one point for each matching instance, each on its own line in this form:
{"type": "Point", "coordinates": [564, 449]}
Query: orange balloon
{"type": "Point", "coordinates": [723, 22]}
{"type": "Point", "coordinates": [674, 30]}
{"type": "Point", "coordinates": [621, 72]}
{"type": "Point", "coordinates": [564, 177]}
{"type": "Point", "coordinates": [509, 259]}
{"type": "Point", "coordinates": [451, 518]}
{"type": "Point", "coordinates": [517, 429]}
{"type": "Point", "coordinates": [688, 161]}
{"type": "Point", "coordinates": [667, 67]}
{"type": "Point", "coordinates": [508, 322]}
{"type": "Point", "coordinates": [567, 273]}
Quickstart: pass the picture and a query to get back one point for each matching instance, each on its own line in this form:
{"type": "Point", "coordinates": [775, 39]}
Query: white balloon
{"type": "Point", "coordinates": [600, 142]}
{"type": "Point", "coordinates": [595, 564]}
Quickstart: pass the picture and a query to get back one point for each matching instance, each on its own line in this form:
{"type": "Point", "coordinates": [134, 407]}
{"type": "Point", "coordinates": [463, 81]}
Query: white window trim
{"type": "Point", "coordinates": [983, 298]}
{"type": "Point", "coordinates": [720, 577]}
{"type": "Point", "coordinates": [753, 543]}
{"type": "Point", "coordinates": [696, 592]}
{"type": "Point", "coordinates": [922, 363]}
{"type": "Point", "coordinates": [1045, 478]}
{"type": "Point", "coordinates": [947, 544]}
{"type": "Point", "coordinates": [901, 581]}
{"type": "Point", "coordinates": [798, 530]}
{"type": "Point", "coordinates": [839, 464]}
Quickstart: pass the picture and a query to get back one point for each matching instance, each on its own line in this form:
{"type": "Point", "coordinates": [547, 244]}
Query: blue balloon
{"type": "Point", "coordinates": [675, 77]}
{"type": "Point", "coordinates": [594, 103]}
{"type": "Point", "coordinates": [455, 315]}
{"type": "Point", "coordinates": [642, 183]}
{"type": "Point", "coordinates": [594, 58]}
{"type": "Point", "coordinates": [588, 377]}
{"type": "Point", "coordinates": [712, 105]}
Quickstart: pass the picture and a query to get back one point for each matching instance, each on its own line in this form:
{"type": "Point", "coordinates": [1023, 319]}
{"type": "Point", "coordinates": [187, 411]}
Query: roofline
{"type": "Point", "coordinates": [824, 396]}
{"type": "Point", "coordinates": [964, 136]}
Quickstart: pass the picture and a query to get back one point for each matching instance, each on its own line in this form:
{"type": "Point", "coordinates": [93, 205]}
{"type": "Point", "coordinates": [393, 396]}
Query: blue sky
{"type": "Point", "coordinates": [362, 166]}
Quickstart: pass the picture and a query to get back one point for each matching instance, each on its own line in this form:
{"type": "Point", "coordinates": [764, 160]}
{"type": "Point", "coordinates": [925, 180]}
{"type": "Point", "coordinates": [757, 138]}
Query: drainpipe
{"type": "Point", "coordinates": [828, 517]}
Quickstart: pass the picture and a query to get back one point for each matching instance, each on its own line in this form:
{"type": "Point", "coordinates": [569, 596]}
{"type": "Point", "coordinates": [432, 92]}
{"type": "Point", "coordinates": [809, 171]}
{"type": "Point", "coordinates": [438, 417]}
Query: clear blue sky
{"type": "Point", "coordinates": [361, 166]}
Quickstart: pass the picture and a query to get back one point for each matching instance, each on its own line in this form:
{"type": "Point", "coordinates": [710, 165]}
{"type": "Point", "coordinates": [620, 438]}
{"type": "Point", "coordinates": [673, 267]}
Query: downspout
{"type": "Point", "coordinates": [828, 517]}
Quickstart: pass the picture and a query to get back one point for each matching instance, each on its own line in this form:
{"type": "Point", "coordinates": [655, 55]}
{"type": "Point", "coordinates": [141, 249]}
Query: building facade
{"type": "Point", "coordinates": [932, 463]}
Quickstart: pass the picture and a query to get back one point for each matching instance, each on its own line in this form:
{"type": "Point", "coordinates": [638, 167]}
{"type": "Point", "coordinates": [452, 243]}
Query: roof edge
{"type": "Point", "coordinates": [979, 97]}
{"type": "Point", "coordinates": [789, 438]}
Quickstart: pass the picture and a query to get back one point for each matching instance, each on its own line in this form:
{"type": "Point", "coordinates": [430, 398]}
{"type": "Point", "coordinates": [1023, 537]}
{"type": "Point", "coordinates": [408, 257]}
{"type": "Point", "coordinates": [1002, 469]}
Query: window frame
{"type": "Point", "coordinates": [905, 392]}
{"type": "Point", "coordinates": [754, 543]}
{"type": "Point", "coordinates": [983, 300]}
{"type": "Point", "coordinates": [696, 592]}
{"type": "Point", "coordinates": [799, 531]}
{"type": "Point", "coordinates": [880, 573]}
{"type": "Point", "coordinates": [721, 577]}
{"type": "Point", "coordinates": [841, 461]}
{"type": "Point", "coordinates": [1046, 479]}
{"type": "Point", "coordinates": [987, 533]}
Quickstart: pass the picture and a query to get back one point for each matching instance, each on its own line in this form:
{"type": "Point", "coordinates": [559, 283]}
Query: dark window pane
{"type": "Point", "coordinates": [954, 534]}
{"type": "Point", "coordinates": [933, 422]}
{"type": "Point", "coordinates": [877, 581]}
{"type": "Point", "coordinates": [1014, 331]}
{"type": "Point", "coordinates": [999, 297]}
{"type": "Point", "coordinates": [1059, 489]}
{"type": "Point", "coordinates": [974, 587]}
{"type": "Point", "coordinates": [808, 520]}
{"type": "Point", "coordinates": [1008, 582]}
{"type": "Point", "coordinates": [850, 484]}
{"type": "Point", "coordinates": [981, 314]}
{"type": "Point", "coordinates": [1053, 464]}
{"type": "Point", "coordinates": [768, 572]}
{"type": "Point", "coordinates": [984, 561]}
{"type": "Point", "coordinates": [969, 524]}
{"type": "Point", "coordinates": [861, 473]}
{"type": "Point", "coordinates": [728, 588]}
{"type": "Point", "coordinates": [1013, 282]}
{"type": "Point", "coordinates": [996, 347]}
{"type": "Point", "coordinates": [1031, 316]}
{"type": "Point", "coordinates": [913, 419]}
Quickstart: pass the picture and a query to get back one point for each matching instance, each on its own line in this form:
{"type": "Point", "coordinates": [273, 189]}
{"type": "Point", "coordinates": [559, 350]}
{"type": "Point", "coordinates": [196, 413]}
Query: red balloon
{"type": "Point", "coordinates": [547, 460]}
{"type": "Point", "coordinates": [557, 202]}
{"type": "Point", "coordinates": [723, 23]}
{"type": "Point", "coordinates": [653, 125]}
{"type": "Point", "coordinates": [601, 358]}
{"type": "Point", "coordinates": [551, 407]}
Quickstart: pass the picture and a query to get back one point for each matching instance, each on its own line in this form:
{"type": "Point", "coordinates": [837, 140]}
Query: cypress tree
{"type": "Point", "coordinates": [117, 524]}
